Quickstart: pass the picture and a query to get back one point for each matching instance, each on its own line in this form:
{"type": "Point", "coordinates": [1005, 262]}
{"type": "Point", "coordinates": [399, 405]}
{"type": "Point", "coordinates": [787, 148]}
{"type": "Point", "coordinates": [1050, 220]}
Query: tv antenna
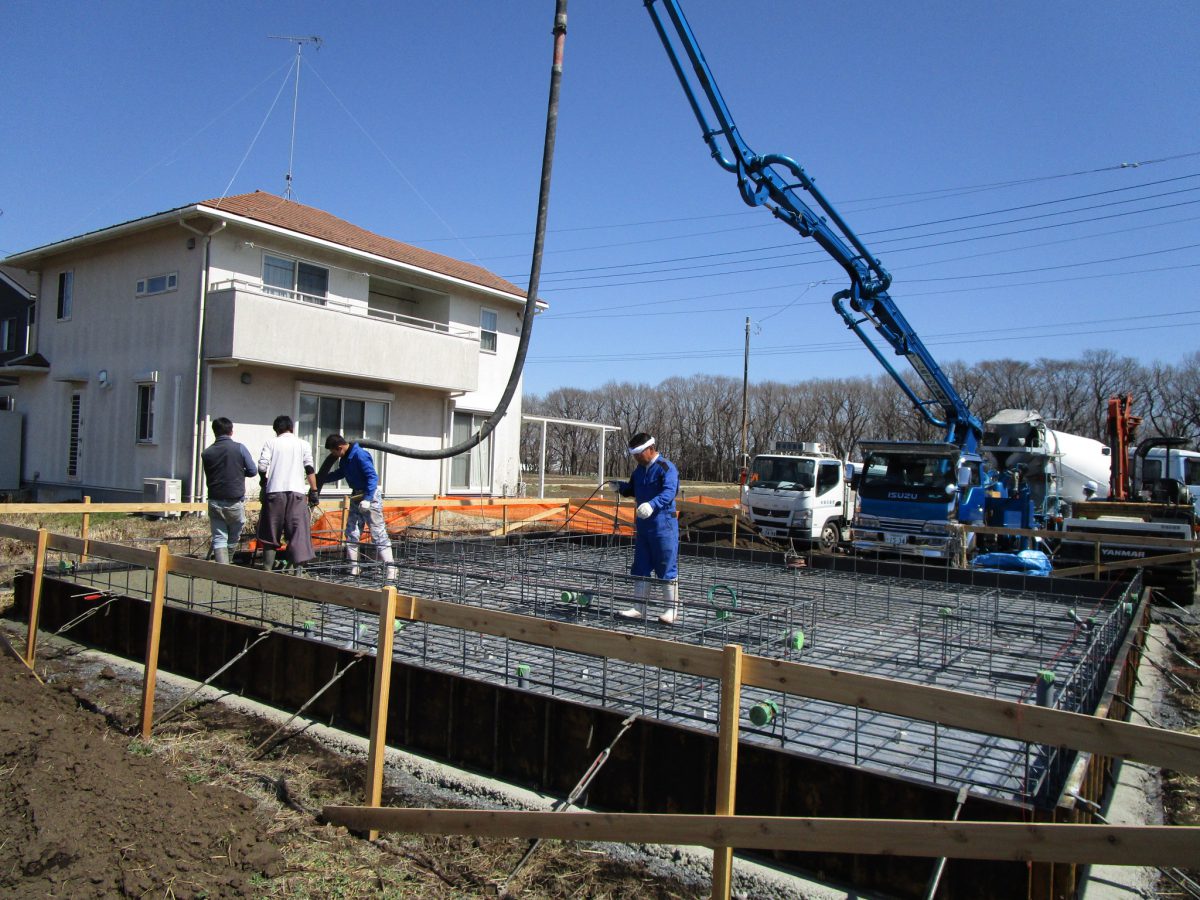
{"type": "Point", "coordinates": [299, 41]}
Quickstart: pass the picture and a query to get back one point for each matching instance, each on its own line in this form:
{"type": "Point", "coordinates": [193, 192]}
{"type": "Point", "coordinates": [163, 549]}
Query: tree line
{"type": "Point", "coordinates": [698, 419]}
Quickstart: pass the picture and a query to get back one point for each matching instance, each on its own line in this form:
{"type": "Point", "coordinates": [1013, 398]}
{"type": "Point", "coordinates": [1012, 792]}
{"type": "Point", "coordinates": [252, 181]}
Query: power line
{"type": "Point", "coordinates": [995, 185]}
{"type": "Point", "coordinates": [955, 338]}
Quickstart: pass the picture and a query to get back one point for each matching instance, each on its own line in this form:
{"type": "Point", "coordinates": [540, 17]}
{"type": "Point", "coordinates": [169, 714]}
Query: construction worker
{"type": "Point", "coordinates": [352, 462]}
{"type": "Point", "coordinates": [653, 485]}
{"type": "Point", "coordinates": [285, 469]}
{"type": "Point", "coordinates": [227, 465]}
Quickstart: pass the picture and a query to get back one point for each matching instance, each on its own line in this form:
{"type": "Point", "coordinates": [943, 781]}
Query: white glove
{"type": "Point", "coordinates": [645, 511]}
{"type": "Point", "coordinates": [611, 486]}
{"type": "Point", "coordinates": [364, 507]}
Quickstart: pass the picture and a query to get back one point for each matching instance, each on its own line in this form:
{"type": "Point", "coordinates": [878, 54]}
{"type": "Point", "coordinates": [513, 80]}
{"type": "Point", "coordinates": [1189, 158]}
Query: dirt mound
{"type": "Point", "coordinates": [84, 813]}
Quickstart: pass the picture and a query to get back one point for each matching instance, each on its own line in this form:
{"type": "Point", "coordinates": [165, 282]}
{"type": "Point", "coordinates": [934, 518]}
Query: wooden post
{"type": "Point", "coordinates": [1096, 559]}
{"type": "Point", "coordinates": [504, 518]}
{"type": "Point", "coordinates": [727, 753]}
{"type": "Point", "coordinates": [566, 512]}
{"type": "Point", "coordinates": [85, 528]}
{"type": "Point", "coordinates": [345, 512]}
{"type": "Point", "coordinates": [35, 594]}
{"type": "Point", "coordinates": [162, 564]}
{"type": "Point", "coordinates": [735, 524]}
{"type": "Point", "coordinates": [379, 701]}
{"type": "Point", "coordinates": [435, 519]}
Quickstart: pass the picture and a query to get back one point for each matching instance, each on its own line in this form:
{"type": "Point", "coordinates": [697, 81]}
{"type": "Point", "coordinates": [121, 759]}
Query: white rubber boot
{"type": "Point", "coordinates": [352, 555]}
{"type": "Point", "coordinates": [670, 596]}
{"type": "Point", "coordinates": [385, 556]}
{"type": "Point", "coordinates": [638, 610]}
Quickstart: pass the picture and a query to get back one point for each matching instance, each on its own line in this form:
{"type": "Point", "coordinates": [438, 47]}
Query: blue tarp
{"type": "Point", "coordinates": [1029, 562]}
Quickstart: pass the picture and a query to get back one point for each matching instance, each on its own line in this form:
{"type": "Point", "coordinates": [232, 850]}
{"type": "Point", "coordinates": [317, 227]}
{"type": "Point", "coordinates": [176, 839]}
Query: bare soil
{"type": "Point", "coordinates": [89, 811]}
{"type": "Point", "coordinates": [1181, 791]}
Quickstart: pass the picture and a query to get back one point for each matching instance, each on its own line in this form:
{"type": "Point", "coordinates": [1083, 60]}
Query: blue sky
{"type": "Point", "coordinates": [977, 148]}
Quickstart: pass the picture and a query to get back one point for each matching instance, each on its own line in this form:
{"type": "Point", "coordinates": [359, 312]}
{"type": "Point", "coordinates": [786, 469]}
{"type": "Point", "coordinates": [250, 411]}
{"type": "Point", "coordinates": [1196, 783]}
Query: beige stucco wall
{"type": "Point", "coordinates": [131, 337]}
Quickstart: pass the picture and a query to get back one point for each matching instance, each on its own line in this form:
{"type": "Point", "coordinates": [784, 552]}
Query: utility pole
{"type": "Point", "coordinates": [745, 407]}
{"type": "Point", "coordinates": [316, 41]}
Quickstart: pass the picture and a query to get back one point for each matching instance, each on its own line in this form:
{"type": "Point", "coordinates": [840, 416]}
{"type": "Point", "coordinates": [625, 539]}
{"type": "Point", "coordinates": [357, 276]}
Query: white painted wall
{"type": "Point", "coordinates": [128, 336]}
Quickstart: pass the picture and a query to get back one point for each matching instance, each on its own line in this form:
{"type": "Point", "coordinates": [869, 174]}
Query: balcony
{"type": "Point", "coordinates": [248, 323]}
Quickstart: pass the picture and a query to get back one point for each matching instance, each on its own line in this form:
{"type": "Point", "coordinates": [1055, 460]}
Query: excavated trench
{"type": "Point", "coordinates": [538, 717]}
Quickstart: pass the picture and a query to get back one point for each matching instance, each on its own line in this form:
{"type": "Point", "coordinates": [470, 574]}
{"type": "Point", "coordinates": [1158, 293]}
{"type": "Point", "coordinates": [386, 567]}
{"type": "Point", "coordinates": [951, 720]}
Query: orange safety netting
{"type": "Point", "coordinates": [596, 517]}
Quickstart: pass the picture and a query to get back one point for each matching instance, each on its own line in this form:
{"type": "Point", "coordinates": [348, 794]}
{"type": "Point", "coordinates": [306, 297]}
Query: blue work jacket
{"type": "Point", "coordinates": [656, 484]}
{"type": "Point", "coordinates": [358, 469]}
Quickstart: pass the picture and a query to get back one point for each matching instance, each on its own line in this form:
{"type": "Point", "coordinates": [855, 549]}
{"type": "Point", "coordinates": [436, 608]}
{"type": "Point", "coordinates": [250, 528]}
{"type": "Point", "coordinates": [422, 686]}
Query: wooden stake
{"type": "Point", "coordinates": [504, 519]}
{"type": "Point", "coordinates": [379, 702]}
{"type": "Point", "coordinates": [84, 528]}
{"type": "Point", "coordinates": [727, 754]}
{"type": "Point", "coordinates": [735, 525]}
{"type": "Point", "coordinates": [162, 564]}
{"type": "Point", "coordinates": [35, 594]}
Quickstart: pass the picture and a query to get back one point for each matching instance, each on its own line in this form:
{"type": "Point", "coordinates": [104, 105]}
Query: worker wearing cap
{"type": "Point", "coordinates": [354, 463]}
{"type": "Point", "coordinates": [653, 486]}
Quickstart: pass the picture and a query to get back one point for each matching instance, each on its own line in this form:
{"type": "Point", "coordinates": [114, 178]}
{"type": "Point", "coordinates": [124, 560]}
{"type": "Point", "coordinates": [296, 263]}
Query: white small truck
{"type": "Point", "coordinates": [798, 492]}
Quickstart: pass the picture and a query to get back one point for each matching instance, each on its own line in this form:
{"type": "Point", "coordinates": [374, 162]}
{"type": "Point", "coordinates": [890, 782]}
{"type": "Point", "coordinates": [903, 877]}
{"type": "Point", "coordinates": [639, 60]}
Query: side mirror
{"type": "Point", "coordinates": [964, 477]}
{"type": "Point", "coordinates": [855, 480]}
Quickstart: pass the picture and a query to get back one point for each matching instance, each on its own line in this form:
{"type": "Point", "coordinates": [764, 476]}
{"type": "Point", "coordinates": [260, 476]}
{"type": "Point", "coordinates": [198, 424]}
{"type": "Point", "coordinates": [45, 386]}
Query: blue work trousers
{"type": "Point", "coordinates": [656, 548]}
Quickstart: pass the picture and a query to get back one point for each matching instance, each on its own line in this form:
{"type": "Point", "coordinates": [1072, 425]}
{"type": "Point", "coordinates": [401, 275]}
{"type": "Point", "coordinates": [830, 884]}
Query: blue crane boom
{"type": "Point", "coordinates": [773, 181]}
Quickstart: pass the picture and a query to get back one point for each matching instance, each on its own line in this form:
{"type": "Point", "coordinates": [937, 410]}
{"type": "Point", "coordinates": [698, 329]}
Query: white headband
{"type": "Point", "coordinates": [639, 449]}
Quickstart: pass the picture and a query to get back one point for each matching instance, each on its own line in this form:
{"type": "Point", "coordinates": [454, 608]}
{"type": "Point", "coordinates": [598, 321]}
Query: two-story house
{"type": "Point", "coordinates": [249, 307]}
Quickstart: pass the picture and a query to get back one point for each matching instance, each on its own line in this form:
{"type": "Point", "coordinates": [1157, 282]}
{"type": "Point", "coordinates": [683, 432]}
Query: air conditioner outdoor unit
{"type": "Point", "coordinates": [162, 490]}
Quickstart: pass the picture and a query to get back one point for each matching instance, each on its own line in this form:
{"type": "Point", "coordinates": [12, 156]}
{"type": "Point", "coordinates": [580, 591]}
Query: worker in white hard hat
{"type": "Point", "coordinates": [653, 485]}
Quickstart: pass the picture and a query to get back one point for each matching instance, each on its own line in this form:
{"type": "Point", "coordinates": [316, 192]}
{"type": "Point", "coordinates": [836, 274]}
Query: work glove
{"type": "Point", "coordinates": [364, 507]}
{"type": "Point", "coordinates": [314, 497]}
{"type": "Point", "coordinates": [645, 511]}
{"type": "Point", "coordinates": [611, 486]}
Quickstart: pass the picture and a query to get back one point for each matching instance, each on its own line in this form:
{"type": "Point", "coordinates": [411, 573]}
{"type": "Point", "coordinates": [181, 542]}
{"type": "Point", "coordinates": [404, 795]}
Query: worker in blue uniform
{"type": "Point", "coordinates": [653, 486]}
{"type": "Point", "coordinates": [352, 462]}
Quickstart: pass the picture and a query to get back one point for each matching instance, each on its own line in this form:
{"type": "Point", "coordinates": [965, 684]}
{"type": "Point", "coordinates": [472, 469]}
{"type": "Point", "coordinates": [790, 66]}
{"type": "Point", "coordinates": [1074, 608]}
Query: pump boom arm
{"type": "Point", "coordinates": [774, 181]}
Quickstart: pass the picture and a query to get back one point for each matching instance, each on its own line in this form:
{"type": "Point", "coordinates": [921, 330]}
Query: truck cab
{"type": "Point", "coordinates": [1167, 463]}
{"type": "Point", "coordinates": [910, 493]}
{"type": "Point", "coordinates": [799, 493]}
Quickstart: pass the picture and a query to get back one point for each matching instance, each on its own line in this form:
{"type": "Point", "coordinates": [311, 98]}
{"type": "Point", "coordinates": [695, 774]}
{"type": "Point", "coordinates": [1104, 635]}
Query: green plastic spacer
{"type": "Point", "coordinates": [579, 598]}
{"type": "Point", "coordinates": [1046, 676]}
{"type": "Point", "coordinates": [522, 670]}
{"type": "Point", "coordinates": [1127, 608]}
{"type": "Point", "coordinates": [723, 612]}
{"type": "Point", "coordinates": [796, 640]}
{"type": "Point", "coordinates": [764, 712]}
{"type": "Point", "coordinates": [399, 625]}
{"type": "Point", "coordinates": [945, 612]}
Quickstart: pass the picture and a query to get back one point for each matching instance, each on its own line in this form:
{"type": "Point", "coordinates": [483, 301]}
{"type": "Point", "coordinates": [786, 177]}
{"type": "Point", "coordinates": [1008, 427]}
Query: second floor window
{"type": "Point", "coordinates": [66, 294]}
{"type": "Point", "coordinates": [291, 276]}
{"type": "Point", "coordinates": [487, 330]}
{"type": "Point", "coordinates": [145, 414]}
{"type": "Point", "coordinates": [157, 284]}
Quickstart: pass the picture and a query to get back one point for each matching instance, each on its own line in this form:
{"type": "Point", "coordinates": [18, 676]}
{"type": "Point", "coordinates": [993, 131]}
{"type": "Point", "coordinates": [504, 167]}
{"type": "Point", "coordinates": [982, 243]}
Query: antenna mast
{"type": "Point", "coordinates": [299, 41]}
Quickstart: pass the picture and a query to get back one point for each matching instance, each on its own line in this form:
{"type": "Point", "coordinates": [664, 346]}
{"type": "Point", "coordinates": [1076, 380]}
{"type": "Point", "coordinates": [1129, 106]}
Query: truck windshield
{"type": "Point", "coordinates": [908, 471]}
{"type": "Point", "coordinates": [782, 473]}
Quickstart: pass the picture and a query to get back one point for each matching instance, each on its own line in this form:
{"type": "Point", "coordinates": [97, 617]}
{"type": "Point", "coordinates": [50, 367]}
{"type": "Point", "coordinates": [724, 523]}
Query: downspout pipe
{"type": "Point", "coordinates": [194, 468]}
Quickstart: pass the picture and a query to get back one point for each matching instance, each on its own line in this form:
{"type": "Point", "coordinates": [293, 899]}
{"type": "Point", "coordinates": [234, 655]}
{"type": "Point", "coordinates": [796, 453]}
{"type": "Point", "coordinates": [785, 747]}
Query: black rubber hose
{"type": "Point", "coordinates": [514, 378]}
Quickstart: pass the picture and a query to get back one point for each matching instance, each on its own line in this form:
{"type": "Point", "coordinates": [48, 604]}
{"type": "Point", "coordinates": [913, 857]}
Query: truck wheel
{"type": "Point", "coordinates": [831, 536]}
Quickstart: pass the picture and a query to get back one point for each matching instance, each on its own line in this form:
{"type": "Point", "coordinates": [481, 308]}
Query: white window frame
{"type": "Point", "coordinates": [149, 390]}
{"type": "Point", "coordinates": [476, 464]}
{"type": "Point", "coordinates": [145, 289]}
{"type": "Point", "coordinates": [342, 395]}
{"type": "Point", "coordinates": [494, 331]}
{"type": "Point", "coordinates": [294, 292]}
{"type": "Point", "coordinates": [66, 296]}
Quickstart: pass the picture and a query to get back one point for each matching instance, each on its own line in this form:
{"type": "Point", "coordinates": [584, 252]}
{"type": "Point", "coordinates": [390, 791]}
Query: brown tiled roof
{"type": "Point", "coordinates": [274, 210]}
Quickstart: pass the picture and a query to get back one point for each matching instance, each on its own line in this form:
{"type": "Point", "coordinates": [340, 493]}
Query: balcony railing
{"type": "Point", "coordinates": [334, 304]}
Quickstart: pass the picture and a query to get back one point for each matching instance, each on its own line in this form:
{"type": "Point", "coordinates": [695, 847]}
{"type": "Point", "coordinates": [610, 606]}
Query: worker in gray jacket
{"type": "Point", "coordinates": [227, 465]}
